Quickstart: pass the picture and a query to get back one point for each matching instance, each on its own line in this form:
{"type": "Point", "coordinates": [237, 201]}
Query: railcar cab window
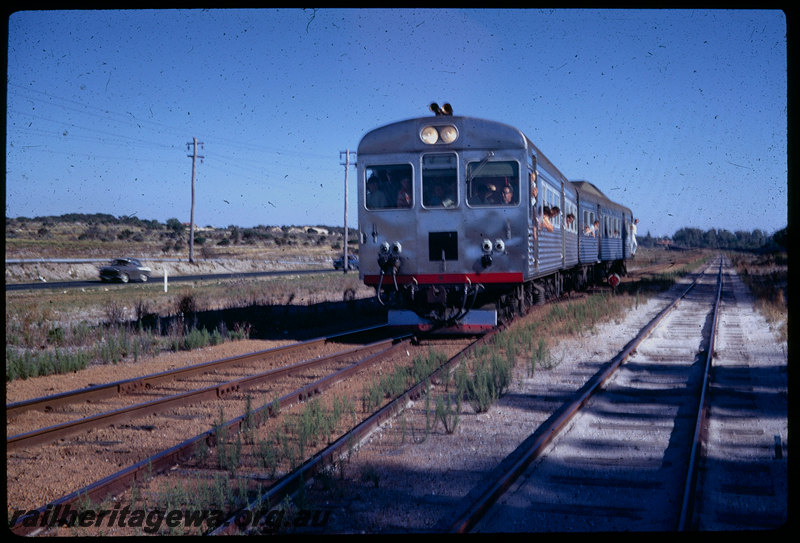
{"type": "Point", "coordinates": [389, 186]}
{"type": "Point", "coordinates": [439, 180]}
{"type": "Point", "coordinates": [492, 183]}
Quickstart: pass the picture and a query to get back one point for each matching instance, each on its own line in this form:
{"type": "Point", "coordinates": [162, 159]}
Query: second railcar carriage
{"type": "Point", "coordinates": [463, 220]}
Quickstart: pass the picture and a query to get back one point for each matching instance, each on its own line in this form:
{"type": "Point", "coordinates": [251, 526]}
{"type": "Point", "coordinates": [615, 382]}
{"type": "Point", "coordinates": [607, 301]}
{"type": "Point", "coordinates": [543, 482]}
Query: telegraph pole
{"type": "Point", "coordinates": [346, 163]}
{"type": "Point", "coordinates": [194, 156]}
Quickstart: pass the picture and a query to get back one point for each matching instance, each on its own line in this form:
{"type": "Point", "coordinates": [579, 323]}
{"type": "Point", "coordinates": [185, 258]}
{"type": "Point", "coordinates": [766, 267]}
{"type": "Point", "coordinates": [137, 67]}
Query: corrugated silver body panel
{"type": "Point", "coordinates": [550, 253]}
{"type": "Point", "coordinates": [570, 249]}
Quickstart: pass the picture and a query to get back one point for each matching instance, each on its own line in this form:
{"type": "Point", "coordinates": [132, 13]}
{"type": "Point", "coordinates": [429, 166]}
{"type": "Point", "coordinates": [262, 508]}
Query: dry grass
{"type": "Point", "coordinates": [767, 277]}
{"type": "Point", "coordinates": [93, 324]}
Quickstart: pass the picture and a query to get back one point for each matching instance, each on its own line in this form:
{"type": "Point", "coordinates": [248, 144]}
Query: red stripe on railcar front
{"type": "Point", "coordinates": [447, 278]}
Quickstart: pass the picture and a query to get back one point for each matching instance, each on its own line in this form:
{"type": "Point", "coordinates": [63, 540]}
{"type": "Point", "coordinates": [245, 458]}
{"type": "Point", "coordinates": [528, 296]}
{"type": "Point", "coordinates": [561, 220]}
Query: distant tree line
{"type": "Point", "coordinates": [174, 233]}
{"type": "Point", "coordinates": [172, 224]}
{"type": "Point", "coordinates": [90, 219]}
{"type": "Point", "coordinates": [724, 239]}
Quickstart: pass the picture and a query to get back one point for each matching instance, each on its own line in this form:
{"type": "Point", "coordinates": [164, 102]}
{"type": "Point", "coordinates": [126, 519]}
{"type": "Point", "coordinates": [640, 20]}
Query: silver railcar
{"type": "Point", "coordinates": [463, 221]}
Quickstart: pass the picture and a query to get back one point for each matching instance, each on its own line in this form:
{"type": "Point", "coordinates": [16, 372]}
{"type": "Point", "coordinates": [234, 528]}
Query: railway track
{"type": "Point", "coordinates": [743, 475]}
{"type": "Point", "coordinates": [627, 454]}
{"type": "Point", "coordinates": [174, 406]}
{"type": "Point", "coordinates": [123, 401]}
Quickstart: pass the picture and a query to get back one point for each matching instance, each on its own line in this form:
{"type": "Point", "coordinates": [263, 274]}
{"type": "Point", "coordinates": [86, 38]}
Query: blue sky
{"type": "Point", "coordinates": [679, 114]}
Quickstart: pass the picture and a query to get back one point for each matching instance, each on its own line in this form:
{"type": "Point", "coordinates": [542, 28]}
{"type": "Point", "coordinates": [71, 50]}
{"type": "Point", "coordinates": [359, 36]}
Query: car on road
{"type": "Point", "coordinates": [124, 270]}
{"type": "Point", "coordinates": [352, 262]}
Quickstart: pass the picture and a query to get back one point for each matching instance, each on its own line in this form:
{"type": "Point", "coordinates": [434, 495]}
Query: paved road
{"type": "Point", "coordinates": [160, 279]}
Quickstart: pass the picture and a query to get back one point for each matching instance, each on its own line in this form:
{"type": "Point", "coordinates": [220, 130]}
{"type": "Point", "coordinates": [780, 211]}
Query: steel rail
{"type": "Point", "coordinates": [164, 460]}
{"type": "Point", "coordinates": [533, 447]}
{"type": "Point", "coordinates": [687, 504]}
{"type": "Point", "coordinates": [136, 384]}
{"type": "Point", "coordinates": [292, 481]}
{"type": "Point", "coordinates": [58, 431]}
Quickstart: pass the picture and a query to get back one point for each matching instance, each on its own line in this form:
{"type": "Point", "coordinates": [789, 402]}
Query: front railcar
{"type": "Point", "coordinates": [443, 219]}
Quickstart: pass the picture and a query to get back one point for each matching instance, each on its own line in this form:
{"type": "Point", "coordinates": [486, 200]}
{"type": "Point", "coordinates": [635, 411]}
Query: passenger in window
{"type": "Point", "coordinates": [439, 198]}
{"type": "Point", "coordinates": [548, 215]}
{"type": "Point", "coordinates": [376, 199]}
{"type": "Point", "coordinates": [534, 195]}
{"type": "Point", "coordinates": [593, 229]}
{"type": "Point", "coordinates": [490, 196]}
{"type": "Point", "coordinates": [554, 213]}
{"type": "Point", "coordinates": [570, 218]}
{"type": "Point", "coordinates": [544, 220]}
{"type": "Point", "coordinates": [404, 194]}
{"type": "Point", "coordinates": [508, 195]}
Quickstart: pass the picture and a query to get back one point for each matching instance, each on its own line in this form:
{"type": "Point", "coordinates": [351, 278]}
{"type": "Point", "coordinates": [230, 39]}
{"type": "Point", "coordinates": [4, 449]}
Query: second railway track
{"type": "Point", "coordinates": [46, 469]}
{"type": "Point", "coordinates": [621, 462]}
{"type": "Point", "coordinates": [124, 401]}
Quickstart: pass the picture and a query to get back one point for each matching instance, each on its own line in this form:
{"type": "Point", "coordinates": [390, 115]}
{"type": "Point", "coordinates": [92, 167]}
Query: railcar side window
{"type": "Point", "coordinates": [588, 220]}
{"type": "Point", "coordinates": [611, 227]}
{"type": "Point", "coordinates": [493, 183]}
{"type": "Point", "coordinates": [570, 217]}
{"type": "Point", "coordinates": [439, 180]}
{"type": "Point", "coordinates": [550, 199]}
{"type": "Point", "coordinates": [389, 186]}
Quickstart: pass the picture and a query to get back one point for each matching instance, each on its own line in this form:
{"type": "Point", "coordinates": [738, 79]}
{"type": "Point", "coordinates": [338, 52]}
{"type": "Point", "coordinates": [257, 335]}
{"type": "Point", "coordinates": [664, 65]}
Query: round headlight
{"type": "Point", "coordinates": [448, 134]}
{"type": "Point", "coordinates": [429, 135]}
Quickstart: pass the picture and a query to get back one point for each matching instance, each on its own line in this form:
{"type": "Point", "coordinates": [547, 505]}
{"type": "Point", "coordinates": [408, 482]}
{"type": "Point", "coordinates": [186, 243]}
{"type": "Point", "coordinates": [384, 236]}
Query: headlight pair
{"type": "Point", "coordinates": [438, 134]}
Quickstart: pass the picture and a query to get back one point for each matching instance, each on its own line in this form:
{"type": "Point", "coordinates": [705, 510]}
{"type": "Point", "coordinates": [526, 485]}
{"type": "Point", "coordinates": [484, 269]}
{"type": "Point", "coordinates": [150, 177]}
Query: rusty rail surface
{"type": "Point", "coordinates": [58, 431]}
{"type": "Point", "coordinates": [137, 384]}
{"type": "Point", "coordinates": [166, 459]}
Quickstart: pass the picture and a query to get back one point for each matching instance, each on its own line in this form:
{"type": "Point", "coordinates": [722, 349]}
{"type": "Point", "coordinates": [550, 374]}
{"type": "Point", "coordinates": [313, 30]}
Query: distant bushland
{"type": "Point", "coordinates": [79, 235]}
